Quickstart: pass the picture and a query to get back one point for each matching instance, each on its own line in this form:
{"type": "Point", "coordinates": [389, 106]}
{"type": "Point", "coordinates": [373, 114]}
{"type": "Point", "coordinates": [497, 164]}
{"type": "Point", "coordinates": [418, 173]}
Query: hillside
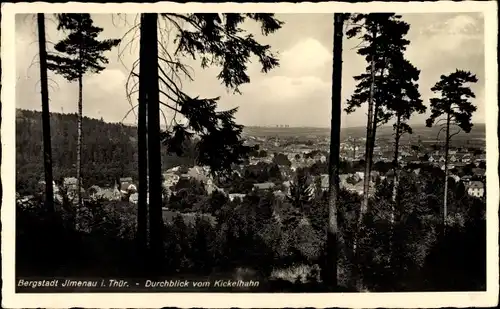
{"type": "Point", "coordinates": [109, 150]}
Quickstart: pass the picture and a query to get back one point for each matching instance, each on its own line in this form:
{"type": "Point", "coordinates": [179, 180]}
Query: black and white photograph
{"type": "Point", "coordinates": [255, 152]}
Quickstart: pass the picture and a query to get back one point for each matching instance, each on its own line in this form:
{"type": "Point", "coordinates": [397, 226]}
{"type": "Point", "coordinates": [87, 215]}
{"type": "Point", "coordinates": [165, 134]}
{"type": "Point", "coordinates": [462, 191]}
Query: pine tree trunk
{"type": "Point", "coordinates": [47, 149]}
{"type": "Point", "coordinates": [142, 211]}
{"type": "Point", "coordinates": [154, 151]}
{"type": "Point", "coordinates": [369, 125]}
{"type": "Point", "coordinates": [446, 150]}
{"type": "Point", "coordinates": [80, 140]}
{"type": "Point", "coordinates": [396, 164]}
{"type": "Point", "coordinates": [332, 245]}
{"type": "Point", "coordinates": [395, 195]}
{"type": "Point", "coordinates": [1, 185]}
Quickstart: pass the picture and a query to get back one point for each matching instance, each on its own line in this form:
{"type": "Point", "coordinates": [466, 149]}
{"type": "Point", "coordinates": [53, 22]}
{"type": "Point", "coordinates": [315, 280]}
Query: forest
{"type": "Point", "coordinates": [419, 231]}
{"type": "Point", "coordinates": [109, 151]}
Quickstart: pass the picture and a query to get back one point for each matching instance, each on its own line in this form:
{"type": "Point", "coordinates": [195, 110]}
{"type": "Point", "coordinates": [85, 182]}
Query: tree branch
{"type": "Point", "coordinates": [170, 107]}
{"type": "Point", "coordinates": [451, 135]}
{"type": "Point", "coordinates": [440, 130]}
{"type": "Point", "coordinates": [128, 112]}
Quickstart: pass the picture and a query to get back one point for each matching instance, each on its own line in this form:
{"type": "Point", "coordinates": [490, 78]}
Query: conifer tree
{"type": "Point", "coordinates": [382, 43]}
{"type": "Point", "coordinates": [47, 149]}
{"type": "Point", "coordinates": [217, 40]}
{"type": "Point", "coordinates": [78, 54]}
{"type": "Point", "coordinates": [452, 108]}
{"type": "Point", "coordinates": [332, 246]}
{"type": "Point", "coordinates": [382, 39]}
{"type": "Point", "coordinates": [404, 100]}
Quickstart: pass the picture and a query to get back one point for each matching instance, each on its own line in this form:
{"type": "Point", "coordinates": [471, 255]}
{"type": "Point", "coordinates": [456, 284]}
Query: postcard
{"type": "Point", "coordinates": [253, 155]}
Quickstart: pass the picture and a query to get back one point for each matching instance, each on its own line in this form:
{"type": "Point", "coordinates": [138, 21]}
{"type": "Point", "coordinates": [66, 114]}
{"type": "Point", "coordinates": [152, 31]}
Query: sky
{"type": "Point", "coordinates": [297, 93]}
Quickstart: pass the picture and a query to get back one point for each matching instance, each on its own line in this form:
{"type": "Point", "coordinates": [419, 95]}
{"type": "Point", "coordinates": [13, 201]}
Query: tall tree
{"type": "Point", "coordinates": [217, 40]}
{"type": "Point", "coordinates": [382, 39]}
{"type": "Point", "coordinates": [142, 155]}
{"type": "Point", "coordinates": [150, 26]}
{"type": "Point", "coordinates": [331, 250]}
{"type": "Point", "coordinates": [47, 149]}
{"type": "Point", "coordinates": [452, 108]}
{"type": "Point", "coordinates": [79, 53]}
{"type": "Point", "coordinates": [404, 100]}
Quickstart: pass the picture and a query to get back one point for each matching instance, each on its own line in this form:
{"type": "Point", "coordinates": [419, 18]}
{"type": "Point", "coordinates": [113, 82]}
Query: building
{"type": "Point", "coordinates": [476, 188]}
{"type": "Point", "coordinates": [126, 185]}
{"type": "Point", "coordinates": [234, 196]}
{"type": "Point", "coordinates": [263, 186]}
{"type": "Point", "coordinates": [170, 179]}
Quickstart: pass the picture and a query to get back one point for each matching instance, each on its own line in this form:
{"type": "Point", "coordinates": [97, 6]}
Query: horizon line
{"type": "Point", "coordinates": [244, 125]}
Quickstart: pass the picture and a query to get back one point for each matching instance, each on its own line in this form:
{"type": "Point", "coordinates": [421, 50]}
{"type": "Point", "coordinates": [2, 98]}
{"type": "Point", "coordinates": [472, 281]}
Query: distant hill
{"type": "Point", "coordinates": [109, 150]}
{"type": "Point", "coordinates": [478, 132]}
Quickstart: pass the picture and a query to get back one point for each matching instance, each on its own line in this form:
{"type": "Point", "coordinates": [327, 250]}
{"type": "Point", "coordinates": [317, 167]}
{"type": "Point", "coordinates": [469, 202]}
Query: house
{"type": "Point", "coordinates": [412, 159]}
{"type": "Point", "coordinates": [476, 188]}
{"type": "Point", "coordinates": [466, 158]}
{"type": "Point", "coordinates": [173, 169]}
{"type": "Point", "coordinates": [431, 159]}
{"type": "Point", "coordinates": [126, 185]}
{"type": "Point", "coordinates": [455, 177]}
{"type": "Point", "coordinates": [479, 172]}
{"type": "Point", "coordinates": [357, 188]}
{"type": "Point", "coordinates": [480, 158]}
{"type": "Point", "coordinates": [263, 186]}
{"type": "Point", "coordinates": [325, 182]}
{"type": "Point", "coordinates": [374, 175]}
{"type": "Point", "coordinates": [93, 191]}
{"type": "Point", "coordinates": [453, 159]}
{"type": "Point", "coordinates": [109, 194]}
{"type": "Point", "coordinates": [234, 196]}
{"type": "Point", "coordinates": [170, 179]}
{"type": "Point", "coordinates": [134, 198]}
{"type": "Point", "coordinates": [343, 178]}
{"type": "Point", "coordinates": [466, 179]}
{"type": "Point", "coordinates": [70, 183]}
{"type": "Point", "coordinates": [279, 194]}
{"type": "Point", "coordinates": [390, 174]}
{"type": "Point", "coordinates": [442, 159]}
{"type": "Point", "coordinates": [210, 187]}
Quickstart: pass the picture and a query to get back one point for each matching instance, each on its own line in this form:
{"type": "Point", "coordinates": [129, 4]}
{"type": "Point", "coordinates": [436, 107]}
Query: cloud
{"type": "Point", "coordinates": [305, 58]}
{"type": "Point", "coordinates": [110, 80]}
{"type": "Point", "coordinates": [454, 41]}
{"type": "Point", "coordinates": [283, 89]}
{"type": "Point", "coordinates": [296, 93]}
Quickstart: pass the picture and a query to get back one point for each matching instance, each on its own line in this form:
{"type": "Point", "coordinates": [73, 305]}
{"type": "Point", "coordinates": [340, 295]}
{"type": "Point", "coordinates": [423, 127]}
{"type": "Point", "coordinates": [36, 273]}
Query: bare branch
{"type": "Point", "coordinates": [359, 45]}
{"type": "Point", "coordinates": [128, 112]}
{"type": "Point", "coordinates": [451, 135]}
{"type": "Point", "coordinates": [440, 120]}
{"type": "Point", "coordinates": [440, 130]}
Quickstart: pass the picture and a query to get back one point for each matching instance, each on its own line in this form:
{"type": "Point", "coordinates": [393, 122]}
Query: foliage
{"type": "Point", "coordinates": [80, 52]}
{"type": "Point", "coordinates": [383, 37]}
{"type": "Point", "coordinates": [109, 151]}
{"type": "Point", "coordinates": [281, 159]}
{"type": "Point", "coordinates": [454, 99]}
{"type": "Point", "coordinates": [217, 40]}
{"type": "Point", "coordinates": [405, 98]}
{"type": "Point", "coordinates": [266, 234]}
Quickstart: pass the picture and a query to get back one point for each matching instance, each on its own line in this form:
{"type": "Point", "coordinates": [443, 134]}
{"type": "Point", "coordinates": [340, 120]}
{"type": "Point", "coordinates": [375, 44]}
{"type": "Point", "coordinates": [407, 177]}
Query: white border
{"type": "Point", "coordinates": [187, 300]}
